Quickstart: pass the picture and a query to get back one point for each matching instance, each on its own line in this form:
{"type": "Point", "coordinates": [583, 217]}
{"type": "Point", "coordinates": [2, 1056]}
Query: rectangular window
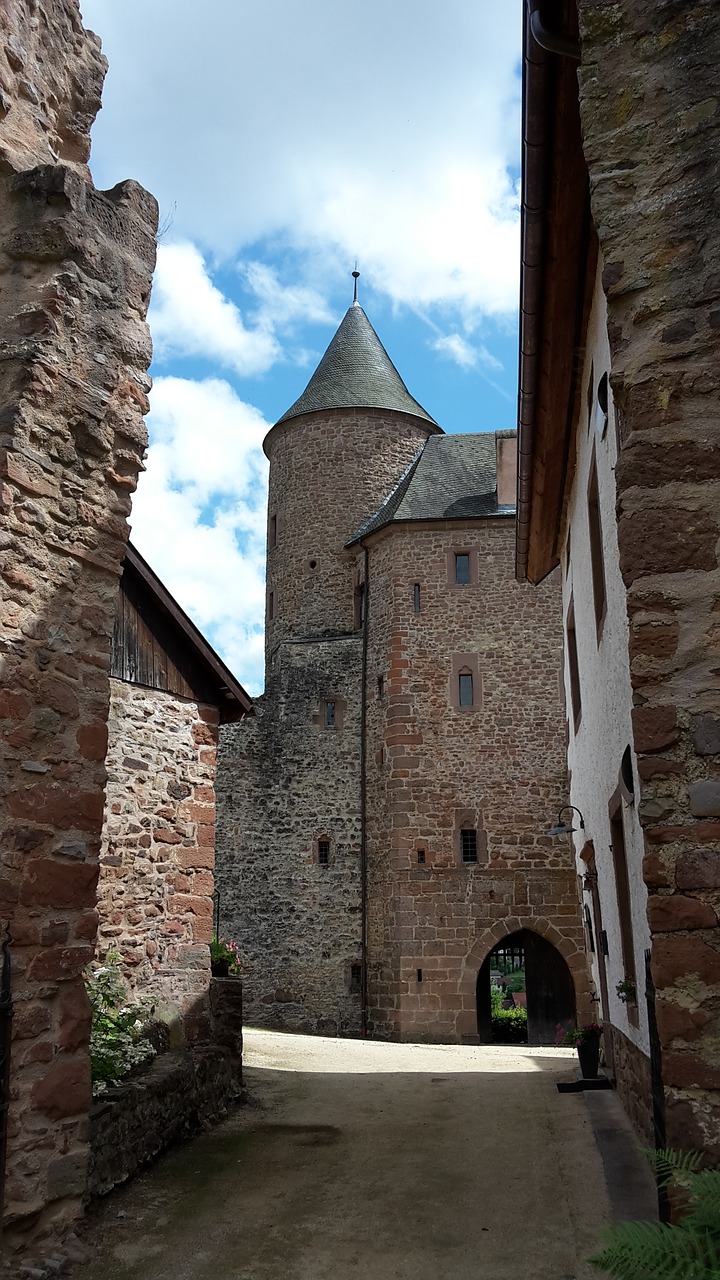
{"type": "Point", "coordinates": [622, 889]}
{"type": "Point", "coordinates": [573, 669]}
{"type": "Point", "coordinates": [468, 845]}
{"type": "Point", "coordinates": [597, 562]}
{"type": "Point", "coordinates": [330, 719]}
{"type": "Point", "coordinates": [462, 567]}
{"type": "Point", "coordinates": [419, 975]}
{"type": "Point", "coordinates": [416, 597]}
{"type": "Point", "coordinates": [421, 855]}
{"type": "Point", "coordinates": [272, 532]}
{"type": "Point", "coordinates": [323, 852]}
{"type": "Point", "coordinates": [465, 689]}
{"type": "Point", "coordinates": [381, 686]}
{"type": "Point", "coordinates": [359, 606]}
{"type": "Point", "coordinates": [355, 977]}
{"type": "Point", "coordinates": [271, 605]}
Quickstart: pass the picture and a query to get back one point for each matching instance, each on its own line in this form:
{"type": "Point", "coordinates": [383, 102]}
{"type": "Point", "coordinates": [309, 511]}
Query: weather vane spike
{"type": "Point", "coordinates": [356, 275]}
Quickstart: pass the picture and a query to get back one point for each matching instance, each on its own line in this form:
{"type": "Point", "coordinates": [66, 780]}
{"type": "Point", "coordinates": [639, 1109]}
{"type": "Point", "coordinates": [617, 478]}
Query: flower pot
{"type": "Point", "coordinates": [220, 968]}
{"type": "Point", "coordinates": [588, 1052]}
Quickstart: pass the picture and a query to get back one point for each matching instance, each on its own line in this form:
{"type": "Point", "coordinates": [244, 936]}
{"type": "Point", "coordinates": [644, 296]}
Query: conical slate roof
{"type": "Point", "coordinates": [356, 372]}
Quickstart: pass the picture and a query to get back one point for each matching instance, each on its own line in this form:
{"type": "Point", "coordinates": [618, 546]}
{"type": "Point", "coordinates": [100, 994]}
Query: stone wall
{"type": "Point", "coordinates": [631, 1072]}
{"type": "Point", "coordinates": [498, 766]}
{"type": "Point", "coordinates": [74, 347]}
{"type": "Point", "coordinates": [156, 862]}
{"type": "Point", "coordinates": [651, 127]}
{"type": "Point", "coordinates": [285, 782]}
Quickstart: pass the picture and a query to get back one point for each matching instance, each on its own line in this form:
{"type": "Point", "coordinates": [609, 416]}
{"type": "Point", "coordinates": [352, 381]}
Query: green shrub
{"type": "Point", "coordinates": [508, 1025]}
{"type": "Point", "coordinates": [117, 1041]}
{"type": "Point", "coordinates": [686, 1250]}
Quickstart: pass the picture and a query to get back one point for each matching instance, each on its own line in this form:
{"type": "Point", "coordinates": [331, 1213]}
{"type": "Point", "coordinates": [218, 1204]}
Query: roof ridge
{"type": "Point", "coordinates": [389, 505]}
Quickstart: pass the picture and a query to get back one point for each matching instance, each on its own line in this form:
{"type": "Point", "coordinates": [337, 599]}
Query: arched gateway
{"type": "Point", "coordinates": [549, 988]}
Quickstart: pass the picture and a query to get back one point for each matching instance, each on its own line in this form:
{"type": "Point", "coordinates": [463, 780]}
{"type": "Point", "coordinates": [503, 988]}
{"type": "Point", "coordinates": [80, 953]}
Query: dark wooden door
{"type": "Point", "coordinates": [550, 989]}
{"type": "Point", "coordinates": [484, 1003]}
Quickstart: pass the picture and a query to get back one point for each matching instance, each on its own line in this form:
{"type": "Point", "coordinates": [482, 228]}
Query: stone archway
{"type": "Point", "coordinates": [574, 958]}
{"type": "Point", "coordinates": [548, 987]}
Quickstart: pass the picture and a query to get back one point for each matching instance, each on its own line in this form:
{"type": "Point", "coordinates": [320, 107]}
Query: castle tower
{"type": "Point", "coordinates": [382, 820]}
{"type": "Point", "coordinates": [289, 822]}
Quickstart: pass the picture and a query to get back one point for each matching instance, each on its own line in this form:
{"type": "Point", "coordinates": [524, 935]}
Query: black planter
{"type": "Point", "coordinates": [220, 968]}
{"type": "Point", "coordinates": [589, 1056]}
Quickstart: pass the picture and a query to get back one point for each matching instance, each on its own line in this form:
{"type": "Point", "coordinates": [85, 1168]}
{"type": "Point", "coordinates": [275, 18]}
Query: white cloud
{"type": "Point", "coordinates": [463, 353]}
{"type": "Point", "coordinates": [189, 316]}
{"type": "Point", "coordinates": [199, 514]}
{"type": "Point", "coordinates": [328, 131]}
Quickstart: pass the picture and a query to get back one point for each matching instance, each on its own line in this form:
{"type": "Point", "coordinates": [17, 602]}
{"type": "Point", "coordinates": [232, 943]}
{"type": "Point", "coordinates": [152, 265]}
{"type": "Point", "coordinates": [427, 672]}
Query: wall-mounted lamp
{"type": "Point", "coordinates": [565, 828]}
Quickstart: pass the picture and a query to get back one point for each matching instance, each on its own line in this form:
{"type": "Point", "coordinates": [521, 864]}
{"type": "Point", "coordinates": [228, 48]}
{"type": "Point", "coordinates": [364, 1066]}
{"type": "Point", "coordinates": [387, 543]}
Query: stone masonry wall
{"type": "Point", "coordinates": [498, 766]}
{"type": "Point", "coordinates": [284, 782]}
{"type": "Point", "coordinates": [651, 125]}
{"type": "Point", "coordinates": [75, 276]}
{"type": "Point", "coordinates": [156, 863]}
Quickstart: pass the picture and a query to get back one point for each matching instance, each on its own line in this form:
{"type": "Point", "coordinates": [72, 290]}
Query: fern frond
{"type": "Point", "coordinates": [703, 1211]}
{"type": "Point", "coordinates": [670, 1165]}
{"type": "Point", "coordinates": [656, 1251]}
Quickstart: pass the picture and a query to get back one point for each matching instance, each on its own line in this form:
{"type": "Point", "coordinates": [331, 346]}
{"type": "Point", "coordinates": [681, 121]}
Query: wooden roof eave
{"type": "Point", "coordinates": [557, 263]}
{"type": "Point", "coordinates": [233, 701]}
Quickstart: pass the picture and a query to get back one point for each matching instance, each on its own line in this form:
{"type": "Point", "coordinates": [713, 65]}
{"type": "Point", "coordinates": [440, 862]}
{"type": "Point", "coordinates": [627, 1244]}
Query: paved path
{"type": "Point", "coordinates": [367, 1161]}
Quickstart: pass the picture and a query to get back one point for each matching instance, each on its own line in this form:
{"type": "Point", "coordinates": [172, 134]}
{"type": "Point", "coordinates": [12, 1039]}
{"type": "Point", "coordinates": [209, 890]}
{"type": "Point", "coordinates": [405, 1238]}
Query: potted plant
{"type": "Point", "coordinates": [224, 958]}
{"type": "Point", "coordinates": [586, 1040]}
{"type": "Point", "coordinates": [627, 991]}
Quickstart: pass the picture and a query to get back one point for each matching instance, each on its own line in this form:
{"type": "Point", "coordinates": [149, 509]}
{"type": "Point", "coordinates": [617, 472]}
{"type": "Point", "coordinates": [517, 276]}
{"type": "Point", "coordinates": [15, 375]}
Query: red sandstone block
{"type": "Point", "coordinates": [655, 873]}
{"type": "Point", "coordinates": [53, 932]}
{"type": "Point", "coordinates": [191, 857]}
{"type": "Point", "coordinates": [164, 835]}
{"type": "Point", "coordinates": [206, 837]}
{"type": "Point", "coordinates": [39, 1051]}
{"type": "Point", "coordinates": [29, 1020]}
{"type": "Point", "coordinates": [185, 902]}
{"type": "Point", "coordinates": [59, 884]}
{"type": "Point", "coordinates": [197, 812]}
{"type": "Point", "coordinates": [64, 1090]}
{"type": "Point", "coordinates": [675, 958]}
{"type": "Point", "coordinates": [703, 832]}
{"type": "Point", "coordinates": [204, 734]}
{"type": "Point", "coordinates": [654, 728]}
{"type": "Point", "coordinates": [698, 869]}
{"type": "Point", "coordinates": [210, 715]}
{"type": "Point", "coordinates": [674, 911]}
{"type": "Point", "coordinates": [204, 794]}
{"type": "Point", "coordinates": [92, 740]}
{"type": "Point", "coordinates": [687, 1070]}
{"type": "Point", "coordinates": [58, 806]}
{"type": "Point", "coordinates": [14, 706]}
{"type": "Point", "coordinates": [59, 963]}
{"type": "Point", "coordinates": [675, 1022]}
{"type": "Point", "coordinates": [86, 926]}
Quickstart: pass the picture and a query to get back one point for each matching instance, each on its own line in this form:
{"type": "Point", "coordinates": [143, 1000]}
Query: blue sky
{"type": "Point", "coordinates": [283, 141]}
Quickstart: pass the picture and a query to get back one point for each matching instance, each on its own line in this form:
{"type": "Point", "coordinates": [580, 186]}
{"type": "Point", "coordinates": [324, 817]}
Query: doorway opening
{"type": "Point", "coordinates": [524, 992]}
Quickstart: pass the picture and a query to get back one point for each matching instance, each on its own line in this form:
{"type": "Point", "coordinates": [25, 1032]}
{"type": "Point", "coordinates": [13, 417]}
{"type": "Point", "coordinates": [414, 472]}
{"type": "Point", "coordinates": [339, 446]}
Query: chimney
{"type": "Point", "coordinates": [506, 464]}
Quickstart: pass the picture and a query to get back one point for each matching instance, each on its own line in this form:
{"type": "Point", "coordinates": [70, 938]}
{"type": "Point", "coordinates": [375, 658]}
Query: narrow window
{"type": "Point", "coordinates": [596, 551]}
{"type": "Point", "coordinates": [324, 852]}
{"type": "Point", "coordinates": [271, 605]}
{"type": "Point", "coordinates": [468, 845]}
{"type": "Point", "coordinates": [355, 977]}
{"type": "Point", "coordinates": [272, 532]}
{"type": "Point", "coordinates": [622, 889]}
{"type": "Point", "coordinates": [330, 720]}
{"type": "Point", "coordinates": [416, 597]}
{"type": "Point", "coordinates": [601, 406]}
{"type": "Point", "coordinates": [421, 855]}
{"type": "Point", "coordinates": [462, 567]}
{"type": "Point", "coordinates": [574, 671]}
{"type": "Point", "coordinates": [381, 686]}
{"type": "Point", "coordinates": [465, 690]}
{"type": "Point", "coordinates": [359, 606]}
{"type": "Point", "coordinates": [419, 975]}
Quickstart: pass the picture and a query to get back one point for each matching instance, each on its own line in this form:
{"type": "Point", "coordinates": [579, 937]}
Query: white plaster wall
{"type": "Point", "coordinates": [596, 749]}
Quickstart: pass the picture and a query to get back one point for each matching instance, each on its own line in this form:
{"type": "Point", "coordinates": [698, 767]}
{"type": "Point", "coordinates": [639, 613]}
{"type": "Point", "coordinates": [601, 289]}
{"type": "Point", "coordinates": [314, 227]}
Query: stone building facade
{"type": "Point", "coordinates": [619, 481]}
{"type": "Point", "coordinates": [376, 836]}
{"type": "Point", "coordinates": [77, 265]}
{"type": "Point", "coordinates": [168, 693]}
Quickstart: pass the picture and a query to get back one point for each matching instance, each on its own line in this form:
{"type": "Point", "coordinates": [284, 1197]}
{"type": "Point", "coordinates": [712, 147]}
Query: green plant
{"type": "Point", "coordinates": [569, 1037]}
{"type": "Point", "coordinates": [117, 1042]}
{"type": "Point", "coordinates": [686, 1250]}
{"type": "Point", "coordinates": [224, 949]}
{"type": "Point", "coordinates": [627, 991]}
{"type": "Point", "coordinates": [507, 1025]}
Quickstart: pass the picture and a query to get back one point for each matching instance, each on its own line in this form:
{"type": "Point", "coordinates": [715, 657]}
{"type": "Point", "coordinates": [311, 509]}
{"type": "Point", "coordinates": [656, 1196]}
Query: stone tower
{"type": "Point", "coordinates": [382, 819]}
{"type": "Point", "coordinates": [289, 836]}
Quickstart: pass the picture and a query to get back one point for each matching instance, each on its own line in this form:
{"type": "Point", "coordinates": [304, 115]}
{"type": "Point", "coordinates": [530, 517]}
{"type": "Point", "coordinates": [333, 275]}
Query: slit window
{"type": "Point", "coordinates": [597, 563]}
{"type": "Point", "coordinates": [330, 715]}
{"type": "Point", "coordinates": [421, 855]}
{"type": "Point", "coordinates": [355, 977]}
{"type": "Point", "coordinates": [272, 532]}
{"type": "Point", "coordinates": [622, 889]}
{"type": "Point", "coordinates": [462, 567]}
{"type": "Point", "coordinates": [271, 605]}
{"type": "Point", "coordinates": [419, 975]}
{"type": "Point", "coordinates": [416, 597]}
{"type": "Point", "coordinates": [468, 844]}
{"type": "Point", "coordinates": [465, 689]}
{"type": "Point", "coordinates": [324, 852]}
{"type": "Point", "coordinates": [381, 686]}
{"type": "Point", "coordinates": [573, 669]}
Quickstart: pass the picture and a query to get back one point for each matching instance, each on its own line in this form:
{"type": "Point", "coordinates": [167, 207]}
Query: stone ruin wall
{"type": "Point", "coordinates": [157, 857]}
{"type": "Point", "coordinates": [651, 122]}
{"type": "Point", "coordinates": [74, 350]}
{"type": "Point", "coordinates": [499, 766]}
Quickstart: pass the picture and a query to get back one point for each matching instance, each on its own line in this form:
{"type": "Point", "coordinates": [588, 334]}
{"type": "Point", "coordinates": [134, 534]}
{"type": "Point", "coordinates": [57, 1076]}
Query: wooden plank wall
{"type": "Point", "coordinates": [148, 649]}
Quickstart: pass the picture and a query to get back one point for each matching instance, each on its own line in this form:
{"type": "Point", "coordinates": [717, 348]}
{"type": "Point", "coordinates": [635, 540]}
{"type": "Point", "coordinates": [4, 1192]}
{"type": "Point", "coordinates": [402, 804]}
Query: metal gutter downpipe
{"type": "Point", "coordinates": [363, 802]}
{"type": "Point", "coordinates": [550, 40]}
